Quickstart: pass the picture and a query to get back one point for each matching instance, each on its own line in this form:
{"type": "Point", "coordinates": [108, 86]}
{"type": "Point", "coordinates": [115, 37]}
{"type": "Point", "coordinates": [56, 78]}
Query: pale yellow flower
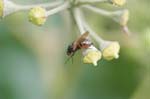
{"type": "Point", "coordinates": [91, 56]}
{"type": "Point", "coordinates": [37, 15]}
{"type": "Point", "coordinates": [111, 51]}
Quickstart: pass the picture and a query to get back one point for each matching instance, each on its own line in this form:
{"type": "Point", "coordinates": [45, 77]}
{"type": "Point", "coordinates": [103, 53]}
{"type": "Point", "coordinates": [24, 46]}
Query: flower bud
{"type": "Point", "coordinates": [37, 15]}
{"type": "Point", "coordinates": [91, 55]}
{"type": "Point", "coordinates": [124, 18]}
{"type": "Point", "coordinates": [110, 50]}
{"type": "Point", "coordinates": [121, 17]}
{"type": "Point", "coordinates": [118, 2]}
{"type": "Point", "coordinates": [7, 7]}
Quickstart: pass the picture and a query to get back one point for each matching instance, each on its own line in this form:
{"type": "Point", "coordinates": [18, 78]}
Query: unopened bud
{"type": "Point", "coordinates": [124, 18]}
{"type": "Point", "coordinates": [121, 17]}
{"type": "Point", "coordinates": [37, 15]}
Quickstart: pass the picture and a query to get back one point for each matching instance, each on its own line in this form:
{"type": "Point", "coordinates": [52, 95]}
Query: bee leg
{"type": "Point", "coordinates": [72, 60]}
{"type": "Point", "coordinates": [71, 57]}
{"type": "Point", "coordinates": [67, 60]}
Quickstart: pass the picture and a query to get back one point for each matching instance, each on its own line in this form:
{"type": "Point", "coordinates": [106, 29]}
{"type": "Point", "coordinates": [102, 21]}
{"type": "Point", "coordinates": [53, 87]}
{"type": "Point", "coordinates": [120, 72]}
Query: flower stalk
{"type": "Point", "coordinates": [89, 2]}
{"type": "Point", "coordinates": [97, 10]}
{"type": "Point", "coordinates": [114, 2]}
{"type": "Point", "coordinates": [62, 7]}
{"type": "Point", "coordinates": [95, 36]}
{"type": "Point", "coordinates": [44, 5]}
{"type": "Point", "coordinates": [121, 16]}
{"type": "Point", "coordinates": [8, 7]}
{"type": "Point", "coordinates": [79, 20]}
{"type": "Point", "coordinates": [85, 26]}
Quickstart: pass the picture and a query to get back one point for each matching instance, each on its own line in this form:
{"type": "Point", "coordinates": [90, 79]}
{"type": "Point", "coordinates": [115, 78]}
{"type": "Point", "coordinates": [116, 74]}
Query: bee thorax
{"type": "Point", "coordinates": [86, 43]}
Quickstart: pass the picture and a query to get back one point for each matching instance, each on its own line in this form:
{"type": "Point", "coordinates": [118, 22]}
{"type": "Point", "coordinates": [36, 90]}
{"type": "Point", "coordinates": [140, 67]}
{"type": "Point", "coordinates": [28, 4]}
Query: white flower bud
{"type": "Point", "coordinates": [7, 7]}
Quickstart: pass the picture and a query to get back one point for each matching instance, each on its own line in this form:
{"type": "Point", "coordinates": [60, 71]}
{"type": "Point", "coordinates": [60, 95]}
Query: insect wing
{"type": "Point", "coordinates": [80, 39]}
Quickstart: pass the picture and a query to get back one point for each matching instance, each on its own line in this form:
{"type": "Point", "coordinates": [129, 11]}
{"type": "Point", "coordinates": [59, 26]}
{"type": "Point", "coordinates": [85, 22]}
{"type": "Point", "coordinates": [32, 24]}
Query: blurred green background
{"type": "Point", "coordinates": [32, 58]}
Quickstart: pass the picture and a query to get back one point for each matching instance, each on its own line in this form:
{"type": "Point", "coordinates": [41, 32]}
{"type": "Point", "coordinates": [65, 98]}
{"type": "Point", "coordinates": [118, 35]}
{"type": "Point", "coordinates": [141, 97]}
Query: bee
{"type": "Point", "coordinates": [82, 42]}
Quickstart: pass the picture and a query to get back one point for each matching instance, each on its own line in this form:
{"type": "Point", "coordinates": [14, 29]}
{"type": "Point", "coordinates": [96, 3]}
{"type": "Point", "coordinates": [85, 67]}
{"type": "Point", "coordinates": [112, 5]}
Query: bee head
{"type": "Point", "coordinates": [70, 50]}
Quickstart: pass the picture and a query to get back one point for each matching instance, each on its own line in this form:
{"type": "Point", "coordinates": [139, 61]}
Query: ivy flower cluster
{"type": "Point", "coordinates": [38, 14]}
